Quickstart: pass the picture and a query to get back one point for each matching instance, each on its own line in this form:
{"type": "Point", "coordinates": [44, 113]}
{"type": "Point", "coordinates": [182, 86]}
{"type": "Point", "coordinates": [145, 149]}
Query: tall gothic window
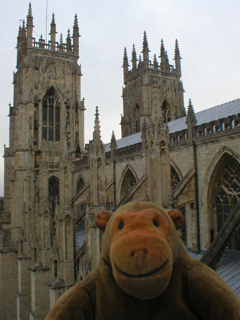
{"type": "Point", "coordinates": [51, 116]}
{"type": "Point", "coordinates": [80, 185]}
{"type": "Point", "coordinates": [174, 179]}
{"type": "Point", "coordinates": [128, 183]}
{"type": "Point", "coordinates": [166, 112]}
{"type": "Point", "coordinates": [228, 194]}
{"type": "Point", "coordinates": [53, 192]}
{"type": "Point", "coordinates": [137, 117]}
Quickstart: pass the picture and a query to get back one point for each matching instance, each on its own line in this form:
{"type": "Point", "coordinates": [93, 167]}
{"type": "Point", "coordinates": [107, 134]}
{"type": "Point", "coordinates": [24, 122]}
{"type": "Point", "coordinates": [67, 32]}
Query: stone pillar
{"type": "Point", "coordinates": [24, 288]}
{"type": "Point", "coordinates": [8, 284]}
{"type": "Point", "coordinates": [40, 297]}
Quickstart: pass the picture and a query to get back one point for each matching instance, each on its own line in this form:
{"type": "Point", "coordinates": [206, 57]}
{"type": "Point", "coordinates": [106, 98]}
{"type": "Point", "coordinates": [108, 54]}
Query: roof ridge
{"type": "Point", "coordinates": [219, 105]}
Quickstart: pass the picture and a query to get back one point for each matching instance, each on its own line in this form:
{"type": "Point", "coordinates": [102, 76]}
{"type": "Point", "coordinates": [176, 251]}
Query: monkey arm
{"type": "Point", "coordinates": [75, 304]}
{"type": "Point", "coordinates": [210, 296]}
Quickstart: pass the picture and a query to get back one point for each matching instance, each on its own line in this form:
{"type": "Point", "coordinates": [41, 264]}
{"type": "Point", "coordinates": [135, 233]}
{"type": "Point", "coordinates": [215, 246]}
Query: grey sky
{"type": "Point", "coordinates": [207, 31]}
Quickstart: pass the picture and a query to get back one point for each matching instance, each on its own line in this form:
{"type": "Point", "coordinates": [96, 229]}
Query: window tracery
{"type": "Point", "coordinates": [166, 112]}
{"type": "Point", "coordinates": [174, 179]}
{"type": "Point", "coordinates": [128, 183]}
{"type": "Point", "coordinates": [227, 196]}
{"type": "Point", "coordinates": [51, 116]}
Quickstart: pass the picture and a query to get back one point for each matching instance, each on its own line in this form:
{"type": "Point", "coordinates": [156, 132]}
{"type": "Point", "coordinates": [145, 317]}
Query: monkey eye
{"type": "Point", "coordinates": [120, 225]}
{"type": "Point", "coordinates": [155, 222]}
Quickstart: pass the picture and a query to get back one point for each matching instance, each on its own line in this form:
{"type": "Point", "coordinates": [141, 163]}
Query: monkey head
{"type": "Point", "coordinates": [141, 244]}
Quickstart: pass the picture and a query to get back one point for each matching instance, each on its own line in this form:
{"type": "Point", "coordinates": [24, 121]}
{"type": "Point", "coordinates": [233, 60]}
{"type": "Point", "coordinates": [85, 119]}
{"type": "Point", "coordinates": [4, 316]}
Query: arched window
{"type": "Point", "coordinates": [53, 188]}
{"type": "Point", "coordinates": [183, 229]}
{"type": "Point", "coordinates": [128, 183]}
{"type": "Point", "coordinates": [55, 269]}
{"type": "Point", "coordinates": [137, 117]}
{"type": "Point", "coordinates": [53, 192]}
{"type": "Point", "coordinates": [174, 179]}
{"type": "Point", "coordinates": [166, 112]}
{"type": "Point", "coordinates": [51, 116]}
{"type": "Point", "coordinates": [80, 185]}
{"type": "Point", "coordinates": [227, 196]}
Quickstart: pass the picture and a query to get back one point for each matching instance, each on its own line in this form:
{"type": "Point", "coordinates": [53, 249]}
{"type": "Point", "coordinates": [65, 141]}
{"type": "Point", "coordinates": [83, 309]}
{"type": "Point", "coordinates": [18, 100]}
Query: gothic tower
{"type": "Point", "coordinates": [46, 135]}
{"type": "Point", "coordinates": [149, 83]}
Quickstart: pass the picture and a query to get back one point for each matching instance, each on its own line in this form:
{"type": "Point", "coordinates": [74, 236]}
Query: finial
{"type": "Point", "coordinates": [68, 34]}
{"type": "Point", "coordinates": [177, 52]}
{"type": "Point", "coordinates": [96, 133]}
{"type": "Point", "coordinates": [155, 63]}
{"type": "Point", "coordinates": [145, 50]}
{"type": "Point", "coordinates": [162, 49]}
{"type": "Point", "coordinates": [125, 53]}
{"type": "Point", "coordinates": [30, 10]}
{"type": "Point", "coordinates": [190, 113]}
{"type": "Point", "coordinates": [113, 143]}
{"type": "Point", "coordinates": [75, 20]}
{"type": "Point", "coordinates": [125, 60]}
{"type": "Point", "coordinates": [134, 57]}
{"type": "Point", "coordinates": [53, 18]}
{"type": "Point", "coordinates": [75, 27]}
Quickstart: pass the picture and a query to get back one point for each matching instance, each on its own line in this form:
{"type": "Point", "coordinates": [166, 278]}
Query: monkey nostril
{"type": "Point", "coordinates": [132, 254]}
{"type": "Point", "coordinates": [145, 251]}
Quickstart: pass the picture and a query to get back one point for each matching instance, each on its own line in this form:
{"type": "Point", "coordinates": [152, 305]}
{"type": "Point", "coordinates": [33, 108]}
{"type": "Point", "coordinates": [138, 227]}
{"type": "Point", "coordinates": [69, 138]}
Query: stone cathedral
{"type": "Point", "coordinates": [54, 184]}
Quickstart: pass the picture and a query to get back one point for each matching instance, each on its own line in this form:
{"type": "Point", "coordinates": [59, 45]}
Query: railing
{"type": "Point", "coordinates": [207, 130]}
{"type": "Point", "coordinates": [58, 47]}
{"type": "Point", "coordinates": [129, 151]}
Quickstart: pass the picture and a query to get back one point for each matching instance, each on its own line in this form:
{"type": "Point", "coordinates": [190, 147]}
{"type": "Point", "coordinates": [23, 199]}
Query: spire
{"type": "Point", "coordinates": [60, 46]}
{"type": "Point", "coordinates": [96, 133]}
{"type": "Point", "coordinates": [177, 59]}
{"type": "Point", "coordinates": [164, 58]}
{"type": "Point", "coordinates": [190, 120]}
{"type": "Point", "coordinates": [21, 39]}
{"type": "Point", "coordinates": [113, 143]}
{"type": "Point", "coordinates": [125, 63]}
{"type": "Point", "coordinates": [30, 10]}
{"type": "Point", "coordinates": [162, 49]}
{"type": "Point", "coordinates": [29, 25]}
{"type": "Point", "coordinates": [76, 36]}
{"type": "Point", "coordinates": [145, 50]}
{"type": "Point", "coordinates": [155, 63]}
{"type": "Point", "coordinates": [134, 57]}
{"type": "Point", "coordinates": [190, 113]}
{"type": "Point", "coordinates": [140, 60]}
{"type": "Point", "coordinates": [53, 33]}
{"type": "Point", "coordinates": [69, 44]}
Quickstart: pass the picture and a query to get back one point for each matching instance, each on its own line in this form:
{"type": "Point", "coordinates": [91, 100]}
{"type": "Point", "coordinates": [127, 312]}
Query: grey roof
{"type": "Point", "coordinates": [222, 111]}
{"type": "Point", "coordinates": [228, 269]}
{"type": "Point", "coordinates": [126, 141]}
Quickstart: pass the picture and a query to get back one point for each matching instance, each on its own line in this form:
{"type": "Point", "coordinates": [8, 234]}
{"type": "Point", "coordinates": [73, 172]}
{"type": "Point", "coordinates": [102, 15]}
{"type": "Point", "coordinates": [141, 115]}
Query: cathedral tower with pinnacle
{"type": "Point", "coordinates": [46, 136]}
{"type": "Point", "coordinates": [151, 89]}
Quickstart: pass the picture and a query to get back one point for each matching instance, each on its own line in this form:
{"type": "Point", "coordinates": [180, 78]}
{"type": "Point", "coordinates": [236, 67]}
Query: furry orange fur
{"type": "Point", "coordinates": [145, 273]}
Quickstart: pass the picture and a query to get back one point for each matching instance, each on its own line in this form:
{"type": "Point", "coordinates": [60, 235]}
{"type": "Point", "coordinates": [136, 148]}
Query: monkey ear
{"type": "Point", "coordinates": [177, 218]}
{"type": "Point", "coordinates": [102, 219]}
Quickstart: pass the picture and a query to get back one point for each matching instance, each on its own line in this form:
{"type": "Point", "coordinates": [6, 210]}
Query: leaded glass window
{"type": "Point", "coordinates": [80, 184]}
{"type": "Point", "coordinates": [174, 179]}
{"type": "Point", "coordinates": [128, 183]}
{"type": "Point", "coordinates": [165, 112]}
{"type": "Point", "coordinates": [51, 116]}
{"type": "Point", "coordinates": [53, 188]}
{"type": "Point", "coordinates": [228, 194]}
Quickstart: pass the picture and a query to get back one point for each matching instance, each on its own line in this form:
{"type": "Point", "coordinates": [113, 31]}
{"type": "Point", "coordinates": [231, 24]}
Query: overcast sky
{"type": "Point", "coordinates": [207, 32]}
